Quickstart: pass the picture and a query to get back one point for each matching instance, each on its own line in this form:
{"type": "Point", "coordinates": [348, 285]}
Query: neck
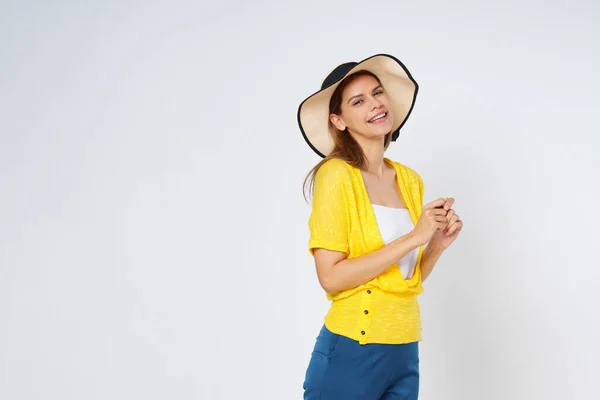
{"type": "Point", "coordinates": [374, 153]}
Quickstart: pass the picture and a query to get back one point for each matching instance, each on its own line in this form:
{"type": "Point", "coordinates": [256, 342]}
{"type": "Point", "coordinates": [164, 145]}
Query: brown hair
{"type": "Point", "coordinates": [345, 147]}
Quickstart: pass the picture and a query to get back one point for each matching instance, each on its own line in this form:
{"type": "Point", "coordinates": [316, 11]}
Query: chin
{"type": "Point", "coordinates": [374, 132]}
{"type": "Point", "coordinates": [381, 131]}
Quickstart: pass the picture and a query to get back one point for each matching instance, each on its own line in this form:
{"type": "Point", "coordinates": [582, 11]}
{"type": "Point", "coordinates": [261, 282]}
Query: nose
{"type": "Point", "coordinates": [376, 104]}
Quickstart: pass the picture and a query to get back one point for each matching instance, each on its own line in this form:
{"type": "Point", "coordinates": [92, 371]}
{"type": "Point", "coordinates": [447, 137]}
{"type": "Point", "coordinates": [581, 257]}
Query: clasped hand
{"type": "Point", "coordinates": [439, 225]}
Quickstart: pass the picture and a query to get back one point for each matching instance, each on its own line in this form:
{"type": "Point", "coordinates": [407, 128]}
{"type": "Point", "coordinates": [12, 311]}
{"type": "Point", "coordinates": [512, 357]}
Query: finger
{"type": "Point", "coordinates": [453, 220]}
{"type": "Point", "coordinates": [456, 227]}
{"type": "Point", "coordinates": [439, 211]}
{"type": "Point", "coordinates": [441, 219]}
{"type": "Point", "coordinates": [436, 203]}
{"type": "Point", "coordinates": [449, 203]}
{"type": "Point", "coordinates": [450, 230]}
{"type": "Point", "coordinates": [449, 216]}
{"type": "Point", "coordinates": [433, 214]}
{"type": "Point", "coordinates": [451, 223]}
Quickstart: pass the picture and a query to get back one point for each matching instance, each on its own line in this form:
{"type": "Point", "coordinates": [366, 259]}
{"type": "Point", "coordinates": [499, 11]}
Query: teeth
{"type": "Point", "coordinates": [383, 114]}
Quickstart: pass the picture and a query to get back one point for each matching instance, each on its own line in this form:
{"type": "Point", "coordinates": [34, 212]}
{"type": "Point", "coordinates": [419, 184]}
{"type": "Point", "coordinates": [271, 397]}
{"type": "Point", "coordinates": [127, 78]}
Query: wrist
{"type": "Point", "coordinates": [434, 247]}
{"type": "Point", "coordinates": [415, 240]}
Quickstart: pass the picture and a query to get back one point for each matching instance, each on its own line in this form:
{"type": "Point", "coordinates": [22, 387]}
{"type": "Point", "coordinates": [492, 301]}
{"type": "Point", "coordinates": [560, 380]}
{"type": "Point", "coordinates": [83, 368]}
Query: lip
{"type": "Point", "coordinates": [381, 120]}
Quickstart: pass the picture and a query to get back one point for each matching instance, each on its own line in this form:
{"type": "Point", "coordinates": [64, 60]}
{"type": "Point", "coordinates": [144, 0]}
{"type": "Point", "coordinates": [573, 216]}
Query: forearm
{"type": "Point", "coordinates": [353, 272]}
{"type": "Point", "coordinates": [431, 254]}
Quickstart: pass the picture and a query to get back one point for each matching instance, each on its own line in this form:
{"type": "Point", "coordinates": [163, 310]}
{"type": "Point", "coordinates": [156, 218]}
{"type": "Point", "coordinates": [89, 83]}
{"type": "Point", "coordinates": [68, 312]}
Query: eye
{"type": "Point", "coordinates": [379, 91]}
{"type": "Point", "coordinates": [356, 102]}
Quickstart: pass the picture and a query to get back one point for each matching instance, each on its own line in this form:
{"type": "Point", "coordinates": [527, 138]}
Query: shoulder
{"type": "Point", "coordinates": [335, 165]}
{"type": "Point", "coordinates": [407, 171]}
{"type": "Point", "coordinates": [334, 169]}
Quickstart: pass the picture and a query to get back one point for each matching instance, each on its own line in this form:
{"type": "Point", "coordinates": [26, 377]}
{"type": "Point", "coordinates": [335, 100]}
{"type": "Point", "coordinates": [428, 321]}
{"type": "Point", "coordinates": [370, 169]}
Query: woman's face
{"type": "Point", "coordinates": [365, 109]}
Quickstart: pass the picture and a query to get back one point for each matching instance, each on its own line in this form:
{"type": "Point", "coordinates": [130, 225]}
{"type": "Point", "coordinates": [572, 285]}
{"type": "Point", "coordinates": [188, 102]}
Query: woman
{"type": "Point", "coordinates": [373, 241]}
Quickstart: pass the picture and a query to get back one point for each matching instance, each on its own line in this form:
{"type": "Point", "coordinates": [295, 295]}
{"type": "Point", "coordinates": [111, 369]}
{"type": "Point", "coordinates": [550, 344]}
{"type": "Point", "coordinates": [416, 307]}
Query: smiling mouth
{"type": "Point", "coordinates": [379, 117]}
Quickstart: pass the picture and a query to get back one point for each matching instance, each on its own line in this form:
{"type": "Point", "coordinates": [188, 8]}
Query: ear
{"type": "Point", "coordinates": [337, 122]}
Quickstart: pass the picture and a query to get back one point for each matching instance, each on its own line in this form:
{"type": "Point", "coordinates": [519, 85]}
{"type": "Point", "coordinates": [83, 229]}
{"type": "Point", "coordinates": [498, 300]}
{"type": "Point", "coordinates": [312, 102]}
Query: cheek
{"type": "Point", "coordinates": [386, 101]}
{"type": "Point", "coordinates": [353, 116]}
{"type": "Point", "coordinates": [360, 118]}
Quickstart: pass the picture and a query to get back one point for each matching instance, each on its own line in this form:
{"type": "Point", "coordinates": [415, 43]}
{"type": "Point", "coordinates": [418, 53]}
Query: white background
{"type": "Point", "coordinates": [153, 235]}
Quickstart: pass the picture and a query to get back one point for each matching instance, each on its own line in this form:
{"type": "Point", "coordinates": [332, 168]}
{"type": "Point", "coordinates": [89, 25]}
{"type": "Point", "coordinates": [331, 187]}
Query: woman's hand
{"type": "Point", "coordinates": [433, 219]}
{"type": "Point", "coordinates": [444, 238]}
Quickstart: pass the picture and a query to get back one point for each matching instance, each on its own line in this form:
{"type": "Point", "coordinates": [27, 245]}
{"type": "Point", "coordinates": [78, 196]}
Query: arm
{"type": "Point", "coordinates": [431, 255]}
{"type": "Point", "coordinates": [440, 241]}
{"type": "Point", "coordinates": [337, 273]}
{"type": "Point", "coordinates": [329, 234]}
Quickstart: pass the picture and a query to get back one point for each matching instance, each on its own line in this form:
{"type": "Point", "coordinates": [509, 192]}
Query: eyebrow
{"type": "Point", "coordinates": [360, 94]}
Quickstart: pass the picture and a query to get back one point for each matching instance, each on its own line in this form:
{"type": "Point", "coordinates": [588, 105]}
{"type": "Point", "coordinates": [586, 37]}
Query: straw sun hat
{"type": "Point", "coordinates": [313, 113]}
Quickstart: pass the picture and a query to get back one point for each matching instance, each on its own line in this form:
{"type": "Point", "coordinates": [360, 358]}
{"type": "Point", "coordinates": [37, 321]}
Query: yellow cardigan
{"type": "Point", "coordinates": [385, 309]}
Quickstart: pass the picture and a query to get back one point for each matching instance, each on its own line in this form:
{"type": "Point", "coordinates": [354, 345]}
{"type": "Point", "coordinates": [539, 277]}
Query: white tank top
{"type": "Point", "coordinates": [393, 223]}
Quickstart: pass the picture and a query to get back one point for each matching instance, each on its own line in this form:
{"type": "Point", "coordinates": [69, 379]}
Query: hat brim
{"type": "Point", "coordinates": [313, 113]}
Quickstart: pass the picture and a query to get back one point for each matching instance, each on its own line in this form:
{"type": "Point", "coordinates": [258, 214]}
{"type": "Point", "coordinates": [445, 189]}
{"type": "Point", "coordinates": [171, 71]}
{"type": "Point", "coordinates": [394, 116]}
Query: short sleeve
{"type": "Point", "coordinates": [328, 219]}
